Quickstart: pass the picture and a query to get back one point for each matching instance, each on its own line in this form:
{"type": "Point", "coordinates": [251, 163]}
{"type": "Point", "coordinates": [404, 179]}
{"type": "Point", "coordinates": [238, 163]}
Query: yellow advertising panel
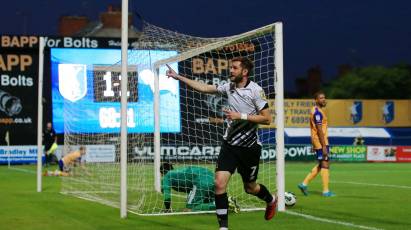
{"type": "Point", "coordinates": [380, 113]}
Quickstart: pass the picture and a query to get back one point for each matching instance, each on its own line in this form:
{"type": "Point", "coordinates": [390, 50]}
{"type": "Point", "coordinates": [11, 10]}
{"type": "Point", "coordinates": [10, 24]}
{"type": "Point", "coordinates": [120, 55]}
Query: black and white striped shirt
{"type": "Point", "coordinates": [249, 100]}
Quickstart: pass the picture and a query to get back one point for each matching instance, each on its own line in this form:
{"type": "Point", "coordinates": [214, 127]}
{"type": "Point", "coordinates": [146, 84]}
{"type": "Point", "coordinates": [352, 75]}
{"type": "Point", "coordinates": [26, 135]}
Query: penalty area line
{"type": "Point", "coordinates": [331, 221]}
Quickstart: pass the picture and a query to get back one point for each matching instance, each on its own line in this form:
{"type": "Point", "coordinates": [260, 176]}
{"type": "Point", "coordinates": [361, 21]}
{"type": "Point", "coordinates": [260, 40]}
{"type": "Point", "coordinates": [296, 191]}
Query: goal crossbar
{"type": "Point", "coordinates": [225, 41]}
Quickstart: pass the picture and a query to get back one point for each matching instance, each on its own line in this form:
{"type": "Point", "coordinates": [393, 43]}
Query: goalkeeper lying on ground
{"type": "Point", "coordinates": [196, 181]}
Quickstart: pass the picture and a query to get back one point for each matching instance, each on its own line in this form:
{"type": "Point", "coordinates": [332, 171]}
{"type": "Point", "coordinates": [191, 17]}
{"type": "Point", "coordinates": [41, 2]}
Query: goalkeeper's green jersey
{"type": "Point", "coordinates": [186, 179]}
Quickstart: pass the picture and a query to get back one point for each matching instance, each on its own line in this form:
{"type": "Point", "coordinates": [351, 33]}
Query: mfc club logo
{"type": "Point", "coordinates": [356, 112]}
{"type": "Point", "coordinates": [388, 112]}
{"type": "Point", "coordinates": [72, 81]}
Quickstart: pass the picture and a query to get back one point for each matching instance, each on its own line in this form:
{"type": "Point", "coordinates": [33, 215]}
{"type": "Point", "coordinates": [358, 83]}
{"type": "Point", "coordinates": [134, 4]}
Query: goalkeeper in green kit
{"type": "Point", "coordinates": [197, 182]}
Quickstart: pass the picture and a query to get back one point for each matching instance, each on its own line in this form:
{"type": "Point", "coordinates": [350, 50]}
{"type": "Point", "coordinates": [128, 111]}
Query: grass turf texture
{"type": "Point", "coordinates": [374, 195]}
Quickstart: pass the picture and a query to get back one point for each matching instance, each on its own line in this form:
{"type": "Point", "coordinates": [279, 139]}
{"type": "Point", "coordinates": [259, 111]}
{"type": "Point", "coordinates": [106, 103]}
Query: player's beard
{"type": "Point", "coordinates": [321, 104]}
{"type": "Point", "coordinates": [236, 79]}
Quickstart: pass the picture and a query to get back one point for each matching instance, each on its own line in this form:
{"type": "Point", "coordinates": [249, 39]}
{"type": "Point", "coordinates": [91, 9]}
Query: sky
{"type": "Point", "coordinates": [316, 32]}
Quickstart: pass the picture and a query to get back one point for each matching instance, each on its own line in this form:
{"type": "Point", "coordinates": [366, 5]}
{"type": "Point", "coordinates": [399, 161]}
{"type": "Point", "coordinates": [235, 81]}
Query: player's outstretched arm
{"type": "Point", "coordinates": [198, 86]}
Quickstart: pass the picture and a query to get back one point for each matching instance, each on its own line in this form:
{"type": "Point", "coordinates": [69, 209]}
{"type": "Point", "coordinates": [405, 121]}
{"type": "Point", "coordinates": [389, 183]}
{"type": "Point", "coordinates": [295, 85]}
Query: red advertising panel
{"type": "Point", "coordinates": [404, 153]}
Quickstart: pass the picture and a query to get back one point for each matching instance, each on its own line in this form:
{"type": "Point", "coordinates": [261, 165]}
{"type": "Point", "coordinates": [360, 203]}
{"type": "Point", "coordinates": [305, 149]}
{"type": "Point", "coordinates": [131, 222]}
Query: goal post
{"type": "Point", "coordinates": [40, 115]}
{"type": "Point", "coordinates": [279, 118]}
{"type": "Point", "coordinates": [123, 113]}
{"type": "Point", "coordinates": [157, 140]}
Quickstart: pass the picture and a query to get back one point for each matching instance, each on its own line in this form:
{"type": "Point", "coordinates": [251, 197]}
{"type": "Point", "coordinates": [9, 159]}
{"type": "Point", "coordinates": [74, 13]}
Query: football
{"type": "Point", "coordinates": [290, 199]}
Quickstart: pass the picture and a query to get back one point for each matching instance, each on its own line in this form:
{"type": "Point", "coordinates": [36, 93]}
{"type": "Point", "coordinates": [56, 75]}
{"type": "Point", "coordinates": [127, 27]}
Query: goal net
{"type": "Point", "coordinates": [190, 124]}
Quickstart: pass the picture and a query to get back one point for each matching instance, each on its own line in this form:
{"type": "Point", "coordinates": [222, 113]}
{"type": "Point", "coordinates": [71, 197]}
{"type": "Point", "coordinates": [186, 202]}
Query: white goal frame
{"type": "Point", "coordinates": [279, 102]}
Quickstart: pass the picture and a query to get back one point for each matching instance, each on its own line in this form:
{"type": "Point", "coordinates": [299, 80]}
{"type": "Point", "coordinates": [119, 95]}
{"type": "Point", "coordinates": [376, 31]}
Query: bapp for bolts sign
{"type": "Point", "coordinates": [18, 95]}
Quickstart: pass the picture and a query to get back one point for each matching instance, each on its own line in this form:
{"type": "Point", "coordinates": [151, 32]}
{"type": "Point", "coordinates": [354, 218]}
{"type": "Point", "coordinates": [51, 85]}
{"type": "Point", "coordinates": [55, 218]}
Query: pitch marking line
{"type": "Point", "coordinates": [23, 170]}
{"type": "Point", "coordinates": [370, 184]}
{"type": "Point", "coordinates": [348, 224]}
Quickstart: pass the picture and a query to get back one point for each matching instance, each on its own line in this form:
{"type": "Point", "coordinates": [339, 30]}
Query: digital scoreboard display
{"type": "Point", "coordinates": [86, 91]}
{"type": "Point", "coordinates": [107, 85]}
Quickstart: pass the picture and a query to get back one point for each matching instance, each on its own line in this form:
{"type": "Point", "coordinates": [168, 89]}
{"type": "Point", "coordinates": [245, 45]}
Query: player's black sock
{"type": "Point", "coordinates": [221, 203]}
{"type": "Point", "coordinates": [264, 194]}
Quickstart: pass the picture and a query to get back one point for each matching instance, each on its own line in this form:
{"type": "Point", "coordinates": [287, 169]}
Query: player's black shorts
{"type": "Point", "coordinates": [245, 159]}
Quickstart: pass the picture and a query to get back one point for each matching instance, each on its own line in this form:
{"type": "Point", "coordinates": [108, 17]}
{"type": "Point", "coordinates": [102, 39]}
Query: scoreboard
{"type": "Point", "coordinates": [86, 91]}
{"type": "Point", "coordinates": [106, 83]}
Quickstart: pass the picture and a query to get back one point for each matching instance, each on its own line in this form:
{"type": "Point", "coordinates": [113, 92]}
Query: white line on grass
{"type": "Point", "coordinates": [191, 213]}
{"type": "Point", "coordinates": [295, 171]}
{"type": "Point", "coordinates": [371, 184]}
{"type": "Point", "coordinates": [23, 170]}
{"type": "Point", "coordinates": [348, 224]}
{"type": "Point", "coordinates": [94, 199]}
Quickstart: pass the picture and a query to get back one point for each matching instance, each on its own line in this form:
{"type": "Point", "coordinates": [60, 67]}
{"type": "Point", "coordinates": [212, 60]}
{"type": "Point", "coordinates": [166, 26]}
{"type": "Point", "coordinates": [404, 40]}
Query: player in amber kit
{"type": "Point", "coordinates": [68, 161]}
{"type": "Point", "coordinates": [319, 140]}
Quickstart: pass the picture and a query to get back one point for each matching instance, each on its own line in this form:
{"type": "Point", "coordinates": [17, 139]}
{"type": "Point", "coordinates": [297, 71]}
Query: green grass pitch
{"type": "Point", "coordinates": [369, 196]}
